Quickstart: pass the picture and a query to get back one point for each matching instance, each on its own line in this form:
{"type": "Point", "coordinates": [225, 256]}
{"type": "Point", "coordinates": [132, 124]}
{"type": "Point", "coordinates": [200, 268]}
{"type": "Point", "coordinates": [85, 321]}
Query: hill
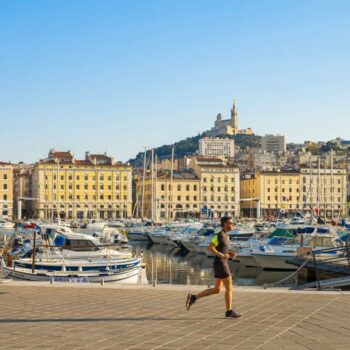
{"type": "Point", "coordinates": [189, 146]}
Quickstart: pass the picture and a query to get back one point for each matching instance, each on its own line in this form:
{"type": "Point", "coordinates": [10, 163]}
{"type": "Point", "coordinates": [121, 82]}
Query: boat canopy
{"type": "Point", "coordinates": [282, 232]}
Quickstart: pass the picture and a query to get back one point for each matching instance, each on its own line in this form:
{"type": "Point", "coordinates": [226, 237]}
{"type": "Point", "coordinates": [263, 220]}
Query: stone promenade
{"type": "Point", "coordinates": [144, 317]}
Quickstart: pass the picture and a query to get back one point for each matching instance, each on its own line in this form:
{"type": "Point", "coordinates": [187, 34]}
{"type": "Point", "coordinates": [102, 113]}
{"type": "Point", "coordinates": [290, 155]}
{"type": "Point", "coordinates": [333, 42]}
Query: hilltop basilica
{"type": "Point", "coordinates": [228, 126]}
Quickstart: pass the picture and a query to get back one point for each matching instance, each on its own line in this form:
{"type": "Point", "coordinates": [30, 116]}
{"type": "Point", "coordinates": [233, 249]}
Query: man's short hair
{"type": "Point", "coordinates": [224, 219]}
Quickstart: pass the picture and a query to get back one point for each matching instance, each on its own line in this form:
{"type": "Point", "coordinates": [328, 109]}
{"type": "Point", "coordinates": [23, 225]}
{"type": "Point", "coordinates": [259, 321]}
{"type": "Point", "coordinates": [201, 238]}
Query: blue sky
{"type": "Point", "coordinates": [117, 76]}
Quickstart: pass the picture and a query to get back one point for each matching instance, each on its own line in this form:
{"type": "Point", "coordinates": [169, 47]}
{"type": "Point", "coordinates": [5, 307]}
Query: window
{"type": "Point", "coordinates": [101, 187]}
{"type": "Point", "coordinates": [78, 177]}
{"type": "Point", "coordinates": [77, 187]}
{"type": "Point", "coordinates": [179, 198]}
{"type": "Point", "coordinates": [101, 196]}
{"type": "Point", "coordinates": [187, 187]}
{"type": "Point", "coordinates": [70, 186]}
{"type": "Point", "coordinates": [109, 197]}
{"type": "Point", "coordinates": [194, 187]}
{"type": "Point", "coordinates": [109, 178]}
{"type": "Point", "coordinates": [5, 197]}
{"type": "Point", "coordinates": [5, 186]}
{"type": "Point", "coordinates": [70, 177]}
{"type": "Point", "coordinates": [162, 187]}
{"type": "Point", "coordinates": [62, 177]}
{"type": "Point", "coordinates": [78, 197]}
{"type": "Point", "coordinates": [62, 187]}
{"type": "Point", "coordinates": [86, 186]}
{"type": "Point", "coordinates": [86, 178]}
{"type": "Point", "coordinates": [101, 177]}
{"type": "Point", "coordinates": [187, 198]}
{"type": "Point", "coordinates": [194, 198]}
{"type": "Point", "coordinates": [179, 187]}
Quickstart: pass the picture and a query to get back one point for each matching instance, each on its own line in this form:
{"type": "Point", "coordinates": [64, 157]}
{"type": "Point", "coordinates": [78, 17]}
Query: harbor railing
{"type": "Point", "coordinates": [336, 259]}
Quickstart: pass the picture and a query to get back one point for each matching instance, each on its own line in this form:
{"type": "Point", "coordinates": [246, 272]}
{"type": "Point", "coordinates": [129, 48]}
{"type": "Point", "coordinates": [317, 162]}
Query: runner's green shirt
{"type": "Point", "coordinates": [215, 240]}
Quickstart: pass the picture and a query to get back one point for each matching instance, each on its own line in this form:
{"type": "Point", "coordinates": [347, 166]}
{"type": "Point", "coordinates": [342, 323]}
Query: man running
{"type": "Point", "coordinates": [219, 247]}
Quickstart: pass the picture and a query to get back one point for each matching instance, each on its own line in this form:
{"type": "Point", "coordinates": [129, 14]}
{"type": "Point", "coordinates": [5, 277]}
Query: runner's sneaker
{"type": "Point", "coordinates": [191, 299]}
{"type": "Point", "coordinates": [232, 314]}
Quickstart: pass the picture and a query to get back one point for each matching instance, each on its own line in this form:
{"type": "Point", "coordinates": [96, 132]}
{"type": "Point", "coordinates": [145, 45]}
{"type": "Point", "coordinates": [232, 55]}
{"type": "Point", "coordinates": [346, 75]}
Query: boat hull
{"type": "Point", "coordinates": [40, 276]}
{"type": "Point", "coordinates": [247, 260]}
{"type": "Point", "coordinates": [161, 239]}
{"type": "Point", "coordinates": [274, 262]}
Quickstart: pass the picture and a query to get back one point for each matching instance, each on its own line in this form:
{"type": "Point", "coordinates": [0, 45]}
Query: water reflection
{"type": "Point", "coordinates": [165, 264]}
{"type": "Point", "coordinates": [169, 264]}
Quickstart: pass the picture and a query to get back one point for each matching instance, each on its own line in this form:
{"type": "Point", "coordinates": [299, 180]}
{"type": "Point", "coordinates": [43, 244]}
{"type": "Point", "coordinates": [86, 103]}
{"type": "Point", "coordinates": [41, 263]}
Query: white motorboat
{"type": "Point", "coordinates": [273, 256]}
{"type": "Point", "coordinates": [161, 237]}
{"type": "Point", "coordinates": [74, 270]}
{"type": "Point", "coordinates": [6, 225]}
{"type": "Point", "coordinates": [96, 225]}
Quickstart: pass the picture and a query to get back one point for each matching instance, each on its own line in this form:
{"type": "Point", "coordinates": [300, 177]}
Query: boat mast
{"type": "Point", "coordinates": [171, 183]}
{"type": "Point", "coordinates": [152, 185]}
{"type": "Point", "coordinates": [332, 185]}
{"type": "Point", "coordinates": [318, 184]}
{"type": "Point", "coordinates": [155, 186]}
{"type": "Point", "coordinates": [143, 183]}
{"type": "Point", "coordinates": [310, 189]}
{"type": "Point", "coordinates": [325, 190]}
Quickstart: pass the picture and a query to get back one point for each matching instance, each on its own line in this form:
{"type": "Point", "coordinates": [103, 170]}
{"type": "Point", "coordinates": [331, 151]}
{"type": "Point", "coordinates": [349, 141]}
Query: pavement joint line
{"type": "Point", "coordinates": [297, 323]}
{"type": "Point", "coordinates": [263, 330]}
{"type": "Point", "coordinates": [222, 329]}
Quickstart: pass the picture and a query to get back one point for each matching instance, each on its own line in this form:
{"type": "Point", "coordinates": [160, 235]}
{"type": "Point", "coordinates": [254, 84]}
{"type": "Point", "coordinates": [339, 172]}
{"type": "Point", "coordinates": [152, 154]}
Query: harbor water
{"type": "Point", "coordinates": [167, 264]}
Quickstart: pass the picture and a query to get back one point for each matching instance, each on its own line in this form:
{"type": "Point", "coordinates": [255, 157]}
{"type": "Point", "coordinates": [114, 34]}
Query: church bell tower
{"type": "Point", "coordinates": [234, 116]}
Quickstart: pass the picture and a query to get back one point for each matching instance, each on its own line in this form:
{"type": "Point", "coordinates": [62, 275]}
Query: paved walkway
{"type": "Point", "coordinates": [143, 317]}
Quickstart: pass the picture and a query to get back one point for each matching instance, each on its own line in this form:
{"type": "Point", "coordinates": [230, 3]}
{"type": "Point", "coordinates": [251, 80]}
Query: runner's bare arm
{"type": "Point", "coordinates": [212, 249]}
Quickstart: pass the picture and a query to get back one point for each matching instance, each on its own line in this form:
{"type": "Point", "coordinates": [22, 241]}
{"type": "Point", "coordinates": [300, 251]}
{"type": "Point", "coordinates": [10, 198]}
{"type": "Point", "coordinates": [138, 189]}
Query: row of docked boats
{"type": "Point", "coordinates": [266, 247]}
{"type": "Point", "coordinates": [58, 254]}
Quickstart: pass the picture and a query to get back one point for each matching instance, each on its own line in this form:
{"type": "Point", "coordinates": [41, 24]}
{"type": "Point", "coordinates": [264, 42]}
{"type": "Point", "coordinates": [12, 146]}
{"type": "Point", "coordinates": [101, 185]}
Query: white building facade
{"type": "Point", "coordinates": [274, 144]}
{"type": "Point", "coordinates": [216, 147]}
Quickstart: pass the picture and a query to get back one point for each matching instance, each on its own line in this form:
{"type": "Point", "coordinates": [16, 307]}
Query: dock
{"type": "Point", "coordinates": [72, 316]}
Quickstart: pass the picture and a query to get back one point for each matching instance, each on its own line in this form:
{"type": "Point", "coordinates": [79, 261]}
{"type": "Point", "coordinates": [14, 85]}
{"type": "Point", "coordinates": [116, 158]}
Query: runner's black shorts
{"type": "Point", "coordinates": [221, 270]}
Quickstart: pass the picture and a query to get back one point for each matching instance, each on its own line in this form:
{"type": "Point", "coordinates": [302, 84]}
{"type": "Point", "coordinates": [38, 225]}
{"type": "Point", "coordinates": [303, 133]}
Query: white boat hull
{"type": "Point", "coordinates": [274, 262]}
{"type": "Point", "coordinates": [40, 276]}
{"type": "Point", "coordinates": [161, 239]}
{"type": "Point", "coordinates": [138, 236]}
{"type": "Point", "coordinates": [247, 260]}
